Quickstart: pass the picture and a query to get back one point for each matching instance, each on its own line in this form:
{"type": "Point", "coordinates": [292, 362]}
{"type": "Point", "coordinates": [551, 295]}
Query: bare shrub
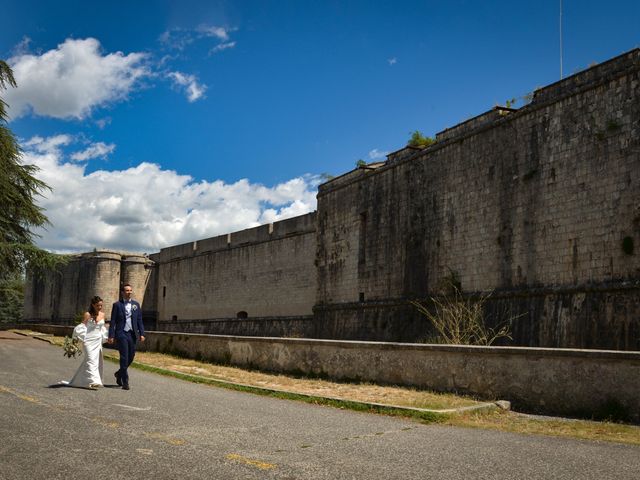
{"type": "Point", "coordinates": [461, 321]}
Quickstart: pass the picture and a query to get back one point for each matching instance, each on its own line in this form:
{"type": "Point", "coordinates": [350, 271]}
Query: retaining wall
{"type": "Point", "coordinates": [553, 381]}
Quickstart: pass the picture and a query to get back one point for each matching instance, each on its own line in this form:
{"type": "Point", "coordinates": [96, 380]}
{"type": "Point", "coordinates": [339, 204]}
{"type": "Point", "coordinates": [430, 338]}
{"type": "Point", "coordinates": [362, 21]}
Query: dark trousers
{"type": "Point", "coordinates": [127, 349]}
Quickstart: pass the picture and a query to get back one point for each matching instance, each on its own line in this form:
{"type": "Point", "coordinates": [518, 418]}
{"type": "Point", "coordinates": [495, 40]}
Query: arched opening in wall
{"type": "Point", "coordinates": [242, 315]}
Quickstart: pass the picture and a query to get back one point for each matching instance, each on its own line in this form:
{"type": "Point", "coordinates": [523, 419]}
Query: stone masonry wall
{"type": "Point", "coordinates": [538, 205]}
{"type": "Point", "coordinates": [60, 296]}
{"type": "Point", "coordinates": [137, 271]}
{"type": "Point", "coordinates": [265, 271]}
{"type": "Point", "coordinates": [571, 382]}
{"type": "Point", "coordinates": [537, 199]}
{"type": "Point", "coordinates": [551, 381]}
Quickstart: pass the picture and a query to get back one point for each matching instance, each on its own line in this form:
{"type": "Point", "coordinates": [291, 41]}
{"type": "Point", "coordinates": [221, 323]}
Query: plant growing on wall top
{"type": "Point", "coordinates": [417, 139]}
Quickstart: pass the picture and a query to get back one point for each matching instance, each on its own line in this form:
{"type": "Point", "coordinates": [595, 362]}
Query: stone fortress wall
{"type": "Point", "coordinates": [539, 205]}
{"type": "Point", "coordinates": [262, 274]}
{"type": "Point", "coordinates": [59, 297]}
{"type": "Point", "coordinates": [265, 274]}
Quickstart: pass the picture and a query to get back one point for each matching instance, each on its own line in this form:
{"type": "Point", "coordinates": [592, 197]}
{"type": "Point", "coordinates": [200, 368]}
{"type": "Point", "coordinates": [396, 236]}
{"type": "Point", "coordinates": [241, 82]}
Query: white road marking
{"type": "Point", "coordinates": [129, 407]}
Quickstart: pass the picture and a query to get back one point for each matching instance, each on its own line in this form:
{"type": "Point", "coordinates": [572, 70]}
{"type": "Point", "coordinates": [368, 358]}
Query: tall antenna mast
{"type": "Point", "coordinates": [560, 39]}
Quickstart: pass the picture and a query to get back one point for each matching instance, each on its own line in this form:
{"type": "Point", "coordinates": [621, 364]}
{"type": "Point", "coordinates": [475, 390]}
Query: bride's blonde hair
{"type": "Point", "coordinates": [94, 300]}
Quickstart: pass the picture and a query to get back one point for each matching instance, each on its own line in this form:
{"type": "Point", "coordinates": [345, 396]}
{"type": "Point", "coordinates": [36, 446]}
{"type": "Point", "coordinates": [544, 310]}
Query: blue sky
{"type": "Point", "coordinates": [162, 122]}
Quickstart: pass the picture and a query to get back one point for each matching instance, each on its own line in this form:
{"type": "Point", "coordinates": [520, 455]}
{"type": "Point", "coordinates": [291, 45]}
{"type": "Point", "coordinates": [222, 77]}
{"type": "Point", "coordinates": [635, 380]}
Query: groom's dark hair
{"type": "Point", "coordinates": [125, 285]}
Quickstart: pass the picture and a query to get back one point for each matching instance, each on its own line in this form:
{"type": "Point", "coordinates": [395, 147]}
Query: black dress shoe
{"type": "Point", "coordinates": [125, 386]}
{"type": "Point", "coordinates": [118, 379]}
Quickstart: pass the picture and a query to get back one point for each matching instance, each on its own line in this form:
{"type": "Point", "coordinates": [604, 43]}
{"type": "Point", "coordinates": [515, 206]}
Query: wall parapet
{"type": "Point", "coordinates": [528, 377]}
{"type": "Point", "coordinates": [589, 78]}
{"type": "Point", "coordinates": [580, 82]}
{"type": "Point", "coordinates": [556, 381]}
{"type": "Point", "coordinates": [487, 118]}
{"type": "Point", "coordinates": [300, 225]}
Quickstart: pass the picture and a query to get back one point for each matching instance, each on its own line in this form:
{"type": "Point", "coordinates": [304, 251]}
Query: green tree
{"type": "Point", "coordinates": [417, 139]}
{"type": "Point", "coordinates": [19, 213]}
{"type": "Point", "coordinates": [11, 300]}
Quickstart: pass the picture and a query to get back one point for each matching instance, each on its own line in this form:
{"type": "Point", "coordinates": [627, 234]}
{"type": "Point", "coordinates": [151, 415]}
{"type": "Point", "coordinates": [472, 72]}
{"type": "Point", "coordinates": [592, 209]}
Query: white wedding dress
{"type": "Point", "coordinates": [89, 373]}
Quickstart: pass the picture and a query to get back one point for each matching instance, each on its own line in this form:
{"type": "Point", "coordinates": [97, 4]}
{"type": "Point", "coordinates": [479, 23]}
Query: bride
{"type": "Point", "coordinates": [92, 333]}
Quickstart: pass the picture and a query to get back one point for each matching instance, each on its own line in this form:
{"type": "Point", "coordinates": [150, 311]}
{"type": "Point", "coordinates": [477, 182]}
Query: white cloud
{"type": "Point", "coordinates": [103, 122]}
{"type": "Point", "coordinates": [376, 154]}
{"type": "Point", "coordinates": [392, 61]}
{"type": "Point", "coordinates": [221, 33]}
{"type": "Point", "coordinates": [21, 48]}
{"type": "Point", "coordinates": [73, 79]}
{"type": "Point", "coordinates": [145, 208]}
{"type": "Point", "coordinates": [181, 38]}
{"type": "Point", "coordinates": [189, 84]}
{"type": "Point", "coordinates": [177, 38]}
{"type": "Point", "coordinates": [49, 144]}
{"type": "Point", "coordinates": [221, 47]}
{"type": "Point", "coordinates": [95, 150]}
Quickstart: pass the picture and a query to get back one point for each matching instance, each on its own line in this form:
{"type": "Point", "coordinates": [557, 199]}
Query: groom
{"type": "Point", "coordinates": [126, 327]}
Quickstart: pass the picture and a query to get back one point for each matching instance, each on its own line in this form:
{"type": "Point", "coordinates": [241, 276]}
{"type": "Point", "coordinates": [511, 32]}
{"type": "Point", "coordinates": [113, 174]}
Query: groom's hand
{"type": "Point", "coordinates": [142, 338]}
{"type": "Point", "coordinates": [110, 340]}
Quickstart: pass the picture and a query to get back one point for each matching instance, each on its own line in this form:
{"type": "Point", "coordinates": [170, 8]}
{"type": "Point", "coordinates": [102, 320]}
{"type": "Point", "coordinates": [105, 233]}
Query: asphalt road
{"type": "Point", "coordinates": [165, 428]}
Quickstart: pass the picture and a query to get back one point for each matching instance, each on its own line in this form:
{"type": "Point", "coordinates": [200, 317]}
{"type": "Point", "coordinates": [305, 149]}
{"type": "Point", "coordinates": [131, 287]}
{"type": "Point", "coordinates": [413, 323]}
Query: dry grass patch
{"type": "Point", "coordinates": [555, 427]}
{"type": "Point", "coordinates": [362, 392]}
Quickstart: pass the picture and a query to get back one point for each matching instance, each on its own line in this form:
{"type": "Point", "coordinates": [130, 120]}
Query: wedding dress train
{"type": "Point", "coordinates": [89, 373]}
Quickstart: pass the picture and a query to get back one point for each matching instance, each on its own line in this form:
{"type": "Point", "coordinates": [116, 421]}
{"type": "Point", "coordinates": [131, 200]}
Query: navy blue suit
{"type": "Point", "coordinates": [126, 341]}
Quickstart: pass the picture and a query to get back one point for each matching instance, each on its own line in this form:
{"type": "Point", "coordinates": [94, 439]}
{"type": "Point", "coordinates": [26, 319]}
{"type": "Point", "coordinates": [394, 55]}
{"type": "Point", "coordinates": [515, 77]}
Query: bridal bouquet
{"type": "Point", "coordinates": [71, 347]}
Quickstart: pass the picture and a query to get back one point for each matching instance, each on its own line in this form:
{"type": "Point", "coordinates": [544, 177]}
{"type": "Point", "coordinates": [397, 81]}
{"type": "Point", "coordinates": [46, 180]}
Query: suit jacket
{"type": "Point", "coordinates": [119, 319]}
